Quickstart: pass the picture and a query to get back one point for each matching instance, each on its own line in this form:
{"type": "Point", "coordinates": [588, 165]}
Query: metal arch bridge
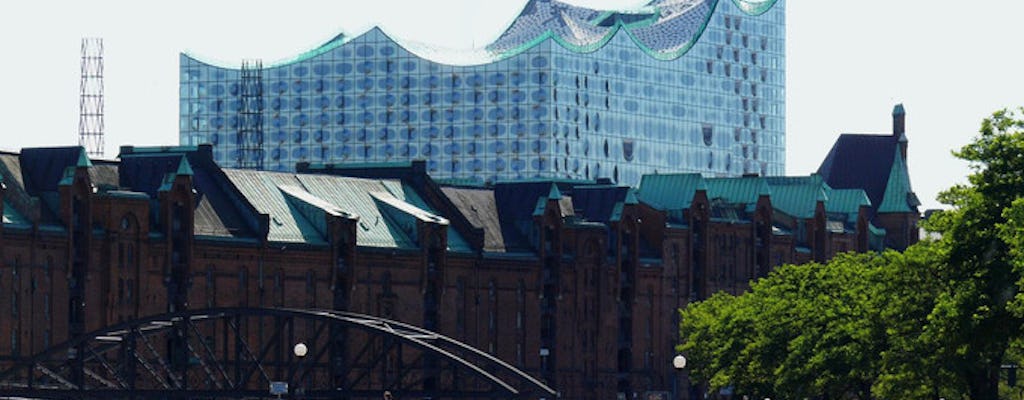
{"type": "Point", "coordinates": [242, 352]}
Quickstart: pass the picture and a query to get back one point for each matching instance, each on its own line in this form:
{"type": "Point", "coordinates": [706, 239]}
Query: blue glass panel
{"type": "Point", "coordinates": [407, 99]}
{"type": "Point", "coordinates": [452, 132]}
{"type": "Point", "coordinates": [364, 51]}
{"type": "Point", "coordinates": [364, 101]}
{"type": "Point", "coordinates": [386, 150]}
{"type": "Point", "coordinates": [517, 78]}
{"type": "Point", "coordinates": [299, 86]}
{"type": "Point", "coordinates": [321, 69]}
{"type": "Point", "coordinates": [519, 129]}
{"type": "Point", "coordinates": [452, 82]}
{"type": "Point", "coordinates": [365, 67]}
{"type": "Point", "coordinates": [496, 114]}
{"type": "Point", "coordinates": [409, 66]}
{"type": "Point", "coordinates": [539, 62]}
{"type": "Point", "coordinates": [476, 165]}
{"type": "Point", "coordinates": [275, 153]}
{"type": "Point", "coordinates": [453, 97]}
{"type": "Point", "coordinates": [409, 133]}
{"type": "Point", "coordinates": [496, 147]}
{"type": "Point", "coordinates": [386, 83]}
{"type": "Point", "coordinates": [496, 79]}
{"type": "Point", "coordinates": [477, 130]}
{"type": "Point", "coordinates": [300, 120]}
{"type": "Point", "coordinates": [366, 117]}
{"type": "Point", "coordinates": [215, 138]}
{"type": "Point", "coordinates": [475, 80]}
{"type": "Point", "coordinates": [217, 122]}
{"type": "Point", "coordinates": [343, 68]}
{"type": "Point", "coordinates": [430, 149]}
{"type": "Point", "coordinates": [452, 148]}
{"type": "Point", "coordinates": [343, 135]}
{"type": "Point", "coordinates": [497, 164]}
{"type": "Point", "coordinates": [387, 50]}
{"type": "Point", "coordinates": [518, 164]}
{"type": "Point", "coordinates": [323, 102]}
{"type": "Point", "coordinates": [540, 95]}
{"type": "Point", "coordinates": [362, 134]}
{"type": "Point", "coordinates": [433, 132]}
{"type": "Point", "coordinates": [279, 136]}
{"type": "Point", "coordinates": [343, 151]}
{"type": "Point", "coordinates": [387, 100]}
{"type": "Point", "coordinates": [495, 130]}
{"type": "Point", "coordinates": [518, 96]}
{"type": "Point", "coordinates": [365, 84]}
{"type": "Point", "coordinates": [407, 82]}
{"type": "Point", "coordinates": [407, 150]}
{"type": "Point", "coordinates": [386, 134]}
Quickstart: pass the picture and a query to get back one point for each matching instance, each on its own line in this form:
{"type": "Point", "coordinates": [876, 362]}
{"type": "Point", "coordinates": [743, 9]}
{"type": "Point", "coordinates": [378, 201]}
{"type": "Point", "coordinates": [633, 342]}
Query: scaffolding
{"type": "Point", "coordinates": [249, 137]}
{"type": "Point", "coordinates": [90, 117]}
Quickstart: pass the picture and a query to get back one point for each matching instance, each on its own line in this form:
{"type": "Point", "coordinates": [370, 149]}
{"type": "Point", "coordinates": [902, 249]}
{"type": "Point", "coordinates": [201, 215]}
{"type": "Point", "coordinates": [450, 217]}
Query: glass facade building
{"type": "Point", "coordinates": [564, 92]}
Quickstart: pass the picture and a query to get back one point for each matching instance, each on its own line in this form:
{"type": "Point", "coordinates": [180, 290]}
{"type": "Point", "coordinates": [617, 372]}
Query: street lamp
{"type": "Point", "coordinates": [678, 362]}
{"type": "Point", "coordinates": [300, 350]}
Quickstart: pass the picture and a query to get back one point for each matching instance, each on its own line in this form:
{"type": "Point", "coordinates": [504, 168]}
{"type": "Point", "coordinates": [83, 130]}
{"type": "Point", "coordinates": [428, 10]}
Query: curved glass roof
{"type": "Point", "coordinates": [664, 29]}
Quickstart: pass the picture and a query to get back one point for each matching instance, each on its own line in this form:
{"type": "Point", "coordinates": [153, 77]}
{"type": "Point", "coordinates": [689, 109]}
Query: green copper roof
{"type": "Point", "coordinates": [670, 191]}
{"type": "Point", "coordinates": [798, 196]}
{"type": "Point", "coordinates": [847, 201]}
{"type": "Point", "coordinates": [83, 159]}
{"type": "Point", "coordinates": [184, 168]}
{"type": "Point", "coordinates": [899, 197]}
{"type": "Point", "coordinates": [743, 190]}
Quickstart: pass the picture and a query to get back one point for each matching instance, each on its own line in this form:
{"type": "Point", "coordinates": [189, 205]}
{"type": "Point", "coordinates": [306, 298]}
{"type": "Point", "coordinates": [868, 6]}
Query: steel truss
{"type": "Point", "coordinates": [239, 352]}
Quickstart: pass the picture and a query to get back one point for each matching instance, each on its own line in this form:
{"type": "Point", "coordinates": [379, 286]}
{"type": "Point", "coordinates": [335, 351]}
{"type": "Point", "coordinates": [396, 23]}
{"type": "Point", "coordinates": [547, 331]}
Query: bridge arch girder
{"type": "Point", "coordinates": [237, 353]}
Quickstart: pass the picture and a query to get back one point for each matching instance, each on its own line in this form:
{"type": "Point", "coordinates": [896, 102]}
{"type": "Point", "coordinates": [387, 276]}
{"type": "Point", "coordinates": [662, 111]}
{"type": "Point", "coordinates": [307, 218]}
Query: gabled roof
{"type": "Point", "coordinates": [869, 162]}
{"type": "Point", "coordinates": [43, 168]}
{"type": "Point", "coordinates": [739, 191]}
{"type": "Point", "coordinates": [601, 203]}
{"type": "Point", "coordinates": [798, 196]}
{"type": "Point", "coordinates": [670, 191]}
{"type": "Point", "coordinates": [478, 205]}
{"type": "Point", "coordinates": [847, 202]}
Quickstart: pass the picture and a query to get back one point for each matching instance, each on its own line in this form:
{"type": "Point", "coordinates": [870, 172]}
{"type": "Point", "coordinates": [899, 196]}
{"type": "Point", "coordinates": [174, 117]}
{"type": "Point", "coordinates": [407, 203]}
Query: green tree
{"type": "Point", "coordinates": [805, 330]}
{"type": "Point", "coordinates": [979, 314]}
{"type": "Point", "coordinates": [935, 321]}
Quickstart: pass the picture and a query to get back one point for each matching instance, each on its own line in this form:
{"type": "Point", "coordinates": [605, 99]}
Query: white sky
{"type": "Point", "coordinates": [848, 63]}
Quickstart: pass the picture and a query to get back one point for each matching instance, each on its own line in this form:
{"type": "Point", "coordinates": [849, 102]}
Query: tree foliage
{"type": "Point", "coordinates": [934, 321]}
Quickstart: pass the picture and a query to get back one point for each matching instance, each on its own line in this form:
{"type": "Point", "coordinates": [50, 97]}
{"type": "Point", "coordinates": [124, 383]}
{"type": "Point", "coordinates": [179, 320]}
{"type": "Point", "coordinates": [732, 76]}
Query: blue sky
{"type": "Point", "coordinates": [848, 63]}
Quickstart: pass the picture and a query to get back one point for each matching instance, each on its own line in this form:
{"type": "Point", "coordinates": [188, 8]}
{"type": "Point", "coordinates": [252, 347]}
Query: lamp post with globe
{"type": "Point", "coordinates": [678, 362]}
{"type": "Point", "coordinates": [300, 351]}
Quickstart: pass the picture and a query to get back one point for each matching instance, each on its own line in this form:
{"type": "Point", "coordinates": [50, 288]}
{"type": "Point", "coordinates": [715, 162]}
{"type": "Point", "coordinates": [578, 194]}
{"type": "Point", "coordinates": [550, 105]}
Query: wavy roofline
{"type": "Point", "coordinates": [482, 56]}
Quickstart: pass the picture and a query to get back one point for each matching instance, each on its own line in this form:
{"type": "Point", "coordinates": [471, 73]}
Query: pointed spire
{"type": "Point", "coordinates": [554, 193]}
{"type": "Point", "coordinates": [184, 168]}
{"type": "Point", "coordinates": [83, 159]}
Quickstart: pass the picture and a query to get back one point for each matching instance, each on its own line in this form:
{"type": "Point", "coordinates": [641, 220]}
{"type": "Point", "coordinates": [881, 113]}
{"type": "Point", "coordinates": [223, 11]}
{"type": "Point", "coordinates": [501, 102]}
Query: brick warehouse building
{"type": "Point", "coordinates": [575, 282]}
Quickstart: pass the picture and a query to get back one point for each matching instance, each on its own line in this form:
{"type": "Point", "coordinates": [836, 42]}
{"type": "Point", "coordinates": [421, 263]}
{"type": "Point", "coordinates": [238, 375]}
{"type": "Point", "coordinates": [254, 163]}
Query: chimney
{"type": "Point", "coordinates": [899, 128]}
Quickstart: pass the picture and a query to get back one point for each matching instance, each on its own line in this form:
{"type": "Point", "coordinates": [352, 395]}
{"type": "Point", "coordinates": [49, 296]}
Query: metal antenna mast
{"type": "Point", "coordinates": [250, 125]}
{"type": "Point", "coordinates": [90, 119]}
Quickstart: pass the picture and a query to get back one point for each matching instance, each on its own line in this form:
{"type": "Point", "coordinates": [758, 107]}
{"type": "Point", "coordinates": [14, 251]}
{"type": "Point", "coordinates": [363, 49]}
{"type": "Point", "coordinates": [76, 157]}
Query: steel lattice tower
{"type": "Point", "coordinates": [90, 120]}
{"type": "Point", "coordinates": [250, 121]}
